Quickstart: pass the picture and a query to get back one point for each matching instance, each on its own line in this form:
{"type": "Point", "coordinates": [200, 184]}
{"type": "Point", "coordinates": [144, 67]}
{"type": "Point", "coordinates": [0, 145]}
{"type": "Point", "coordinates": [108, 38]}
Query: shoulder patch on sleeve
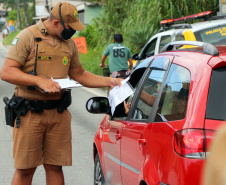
{"type": "Point", "coordinates": [14, 41]}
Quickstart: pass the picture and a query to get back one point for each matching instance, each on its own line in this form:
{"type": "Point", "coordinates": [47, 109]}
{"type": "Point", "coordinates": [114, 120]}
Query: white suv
{"type": "Point", "coordinates": [211, 31]}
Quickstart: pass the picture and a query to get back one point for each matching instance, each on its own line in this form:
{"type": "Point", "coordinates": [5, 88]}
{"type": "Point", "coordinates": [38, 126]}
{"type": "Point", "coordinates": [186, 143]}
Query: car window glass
{"type": "Point", "coordinates": [148, 95]}
{"type": "Point", "coordinates": [150, 49]}
{"type": "Point", "coordinates": [179, 37]}
{"type": "Point", "coordinates": [216, 98]}
{"type": "Point", "coordinates": [150, 90]}
{"type": "Point", "coordinates": [174, 98]}
{"type": "Point", "coordinates": [134, 81]}
{"type": "Point", "coordinates": [214, 35]}
{"type": "Point", "coordinates": [164, 40]}
{"type": "Point", "coordinates": [152, 85]}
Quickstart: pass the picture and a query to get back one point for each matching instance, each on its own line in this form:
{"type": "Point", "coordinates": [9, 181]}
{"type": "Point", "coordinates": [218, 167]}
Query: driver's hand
{"type": "Point", "coordinates": [127, 107]}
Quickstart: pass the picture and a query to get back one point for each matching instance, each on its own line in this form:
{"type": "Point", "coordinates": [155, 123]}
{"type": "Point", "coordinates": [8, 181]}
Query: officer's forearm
{"type": "Point", "coordinates": [88, 79]}
{"type": "Point", "coordinates": [17, 77]}
{"type": "Point", "coordinates": [12, 73]}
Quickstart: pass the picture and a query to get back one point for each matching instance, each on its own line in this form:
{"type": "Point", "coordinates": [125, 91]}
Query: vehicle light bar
{"type": "Point", "coordinates": [190, 17]}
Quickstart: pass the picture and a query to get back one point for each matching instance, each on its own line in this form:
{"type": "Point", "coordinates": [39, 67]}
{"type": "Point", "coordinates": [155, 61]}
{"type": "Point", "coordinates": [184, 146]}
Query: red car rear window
{"type": "Point", "coordinates": [216, 104]}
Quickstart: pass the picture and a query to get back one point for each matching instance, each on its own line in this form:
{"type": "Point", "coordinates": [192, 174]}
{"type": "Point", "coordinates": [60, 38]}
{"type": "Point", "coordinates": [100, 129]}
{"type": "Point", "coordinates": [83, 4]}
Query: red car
{"type": "Point", "coordinates": [178, 102]}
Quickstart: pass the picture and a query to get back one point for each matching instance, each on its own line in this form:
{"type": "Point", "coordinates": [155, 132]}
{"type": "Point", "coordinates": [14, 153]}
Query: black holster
{"type": "Point", "coordinates": [65, 101]}
{"type": "Point", "coordinates": [10, 115]}
{"type": "Point", "coordinates": [14, 108]}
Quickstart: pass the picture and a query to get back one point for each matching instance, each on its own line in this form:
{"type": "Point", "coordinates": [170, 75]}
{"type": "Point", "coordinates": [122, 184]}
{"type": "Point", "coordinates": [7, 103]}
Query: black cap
{"type": "Point", "coordinates": [118, 37]}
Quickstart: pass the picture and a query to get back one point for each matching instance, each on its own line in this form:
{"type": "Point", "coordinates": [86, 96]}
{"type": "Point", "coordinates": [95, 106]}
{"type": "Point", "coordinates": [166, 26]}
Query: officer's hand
{"type": "Point", "coordinates": [49, 86]}
{"type": "Point", "coordinates": [102, 65]}
{"type": "Point", "coordinates": [115, 81]}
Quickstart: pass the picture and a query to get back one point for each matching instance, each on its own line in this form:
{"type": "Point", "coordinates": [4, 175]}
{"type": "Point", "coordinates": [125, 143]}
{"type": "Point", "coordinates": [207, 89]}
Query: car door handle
{"type": "Point", "coordinates": [118, 136]}
{"type": "Point", "coordinates": [142, 141]}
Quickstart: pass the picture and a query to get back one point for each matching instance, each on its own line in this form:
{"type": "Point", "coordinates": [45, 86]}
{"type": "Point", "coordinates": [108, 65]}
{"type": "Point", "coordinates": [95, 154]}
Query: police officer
{"type": "Point", "coordinates": [119, 57]}
{"type": "Point", "coordinates": [44, 135]}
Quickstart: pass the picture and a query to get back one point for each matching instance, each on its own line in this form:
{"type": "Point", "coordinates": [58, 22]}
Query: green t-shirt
{"type": "Point", "coordinates": [118, 57]}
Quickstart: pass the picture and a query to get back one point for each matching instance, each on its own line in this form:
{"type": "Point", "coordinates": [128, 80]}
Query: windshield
{"type": "Point", "coordinates": [215, 35]}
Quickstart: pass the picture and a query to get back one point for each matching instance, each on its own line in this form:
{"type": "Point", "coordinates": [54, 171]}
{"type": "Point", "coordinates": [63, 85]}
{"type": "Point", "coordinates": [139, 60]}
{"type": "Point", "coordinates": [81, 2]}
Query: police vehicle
{"type": "Point", "coordinates": [210, 29]}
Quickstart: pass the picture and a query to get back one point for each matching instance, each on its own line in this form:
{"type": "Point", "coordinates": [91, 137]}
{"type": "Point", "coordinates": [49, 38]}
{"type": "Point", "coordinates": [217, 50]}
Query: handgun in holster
{"type": "Point", "coordinates": [65, 101]}
{"type": "Point", "coordinates": [10, 115]}
{"type": "Point", "coordinates": [15, 107]}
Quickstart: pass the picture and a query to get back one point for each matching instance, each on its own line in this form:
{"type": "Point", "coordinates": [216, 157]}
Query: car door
{"type": "Point", "coordinates": [135, 131]}
{"type": "Point", "coordinates": [112, 134]}
{"type": "Point", "coordinates": [111, 147]}
{"type": "Point", "coordinates": [169, 118]}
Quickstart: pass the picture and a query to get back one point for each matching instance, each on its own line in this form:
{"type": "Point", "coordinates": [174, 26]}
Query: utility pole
{"type": "Point", "coordinates": [47, 5]}
{"type": "Point", "coordinates": [18, 13]}
{"type": "Point", "coordinates": [26, 13]}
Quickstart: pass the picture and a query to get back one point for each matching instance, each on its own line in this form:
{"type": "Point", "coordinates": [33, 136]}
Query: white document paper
{"type": "Point", "coordinates": [67, 83]}
{"type": "Point", "coordinates": [118, 94]}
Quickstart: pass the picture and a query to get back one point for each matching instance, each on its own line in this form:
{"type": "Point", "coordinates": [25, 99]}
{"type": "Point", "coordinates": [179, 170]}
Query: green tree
{"type": "Point", "coordinates": [12, 15]}
{"type": "Point", "coordinates": [8, 4]}
{"type": "Point", "coordinates": [138, 20]}
{"type": "Point", "coordinates": [26, 20]}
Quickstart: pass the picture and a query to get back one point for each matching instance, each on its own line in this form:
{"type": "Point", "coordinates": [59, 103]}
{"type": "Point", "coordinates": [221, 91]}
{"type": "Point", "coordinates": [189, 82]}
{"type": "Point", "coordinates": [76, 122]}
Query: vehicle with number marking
{"type": "Point", "coordinates": [177, 105]}
{"type": "Point", "coordinates": [211, 29]}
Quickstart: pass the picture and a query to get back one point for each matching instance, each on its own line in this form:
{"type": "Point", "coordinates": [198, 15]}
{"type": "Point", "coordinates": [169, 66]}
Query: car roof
{"type": "Point", "coordinates": [190, 56]}
{"type": "Point", "coordinates": [207, 24]}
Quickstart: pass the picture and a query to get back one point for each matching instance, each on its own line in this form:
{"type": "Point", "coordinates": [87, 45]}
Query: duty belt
{"type": "Point", "coordinates": [17, 106]}
{"type": "Point", "coordinates": [39, 106]}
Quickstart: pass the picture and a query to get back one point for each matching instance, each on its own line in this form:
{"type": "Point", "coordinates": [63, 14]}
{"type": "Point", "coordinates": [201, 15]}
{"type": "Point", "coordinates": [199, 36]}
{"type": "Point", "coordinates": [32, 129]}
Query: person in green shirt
{"type": "Point", "coordinates": [119, 55]}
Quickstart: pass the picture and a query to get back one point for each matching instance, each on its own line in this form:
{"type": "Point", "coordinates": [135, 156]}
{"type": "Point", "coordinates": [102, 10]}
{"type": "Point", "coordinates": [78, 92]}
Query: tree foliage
{"type": "Point", "coordinates": [12, 15]}
{"type": "Point", "coordinates": [139, 20]}
{"type": "Point", "coordinates": [12, 3]}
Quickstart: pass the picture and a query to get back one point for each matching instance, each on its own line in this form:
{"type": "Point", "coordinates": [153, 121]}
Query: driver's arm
{"type": "Point", "coordinates": [130, 64]}
{"type": "Point", "coordinates": [147, 98]}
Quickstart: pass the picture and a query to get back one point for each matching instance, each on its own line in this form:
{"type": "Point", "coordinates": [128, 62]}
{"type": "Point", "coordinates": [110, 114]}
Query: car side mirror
{"type": "Point", "coordinates": [136, 57]}
{"type": "Point", "coordinates": [98, 105]}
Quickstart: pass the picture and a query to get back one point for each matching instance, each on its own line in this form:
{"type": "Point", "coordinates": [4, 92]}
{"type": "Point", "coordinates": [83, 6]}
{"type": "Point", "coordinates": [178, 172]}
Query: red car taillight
{"type": "Point", "coordinates": [192, 143]}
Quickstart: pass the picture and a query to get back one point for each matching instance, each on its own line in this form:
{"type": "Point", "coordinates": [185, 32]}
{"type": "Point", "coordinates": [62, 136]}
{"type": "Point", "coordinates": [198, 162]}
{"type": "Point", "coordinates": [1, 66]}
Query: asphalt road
{"type": "Point", "coordinates": [84, 126]}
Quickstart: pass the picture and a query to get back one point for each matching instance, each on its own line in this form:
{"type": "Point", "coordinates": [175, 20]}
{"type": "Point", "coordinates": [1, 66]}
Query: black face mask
{"type": "Point", "coordinates": [66, 33]}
